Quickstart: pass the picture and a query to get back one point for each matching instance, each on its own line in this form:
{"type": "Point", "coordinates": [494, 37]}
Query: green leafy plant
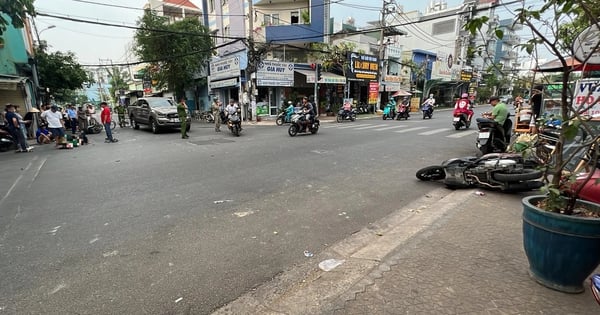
{"type": "Point", "coordinates": [548, 21]}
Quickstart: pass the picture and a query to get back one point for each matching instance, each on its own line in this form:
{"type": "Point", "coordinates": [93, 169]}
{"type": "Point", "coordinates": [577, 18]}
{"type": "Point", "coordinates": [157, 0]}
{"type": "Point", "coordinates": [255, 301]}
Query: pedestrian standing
{"type": "Point", "coordinates": [216, 110]}
{"type": "Point", "coordinates": [182, 113]}
{"type": "Point", "coordinates": [14, 127]}
{"type": "Point", "coordinates": [72, 115]}
{"type": "Point", "coordinates": [56, 124]}
{"type": "Point", "coordinates": [105, 118]}
{"type": "Point", "coordinates": [82, 119]}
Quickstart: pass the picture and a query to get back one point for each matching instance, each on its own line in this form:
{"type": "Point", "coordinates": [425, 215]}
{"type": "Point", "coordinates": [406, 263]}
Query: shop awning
{"type": "Point", "coordinates": [10, 83]}
{"type": "Point", "coordinates": [326, 77]}
{"type": "Point", "coordinates": [401, 92]}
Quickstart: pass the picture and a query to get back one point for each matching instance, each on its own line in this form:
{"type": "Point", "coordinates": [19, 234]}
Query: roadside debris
{"type": "Point", "coordinates": [308, 254]}
{"type": "Point", "coordinates": [330, 264]}
{"type": "Point", "coordinates": [178, 300]}
{"type": "Point", "coordinates": [222, 201]}
{"type": "Point", "coordinates": [479, 193]}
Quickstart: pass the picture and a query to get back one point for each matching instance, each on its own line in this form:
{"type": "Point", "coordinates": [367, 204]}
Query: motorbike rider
{"type": "Point", "coordinates": [463, 106]}
{"type": "Point", "coordinates": [347, 108]}
{"type": "Point", "coordinates": [308, 109]}
{"type": "Point", "coordinates": [289, 111]}
{"type": "Point", "coordinates": [499, 114]}
{"type": "Point", "coordinates": [231, 109]}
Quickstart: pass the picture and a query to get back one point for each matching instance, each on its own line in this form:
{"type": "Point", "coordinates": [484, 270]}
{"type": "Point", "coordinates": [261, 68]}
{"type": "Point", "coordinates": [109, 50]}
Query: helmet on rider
{"type": "Point", "coordinates": [464, 95]}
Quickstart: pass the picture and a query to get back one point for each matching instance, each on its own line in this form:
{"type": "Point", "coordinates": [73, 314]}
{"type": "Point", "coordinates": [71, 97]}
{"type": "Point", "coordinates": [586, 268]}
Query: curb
{"type": "Point", "coordinates": [306, 289]}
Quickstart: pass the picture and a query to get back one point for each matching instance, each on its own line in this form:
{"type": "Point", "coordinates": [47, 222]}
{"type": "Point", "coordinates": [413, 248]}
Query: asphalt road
{"type": "Point", "coordinates": [158, 224]}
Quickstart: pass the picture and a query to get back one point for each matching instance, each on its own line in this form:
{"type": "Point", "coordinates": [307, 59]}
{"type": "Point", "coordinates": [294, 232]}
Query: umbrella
{"type": "Point", "coordinates": [401, 92]}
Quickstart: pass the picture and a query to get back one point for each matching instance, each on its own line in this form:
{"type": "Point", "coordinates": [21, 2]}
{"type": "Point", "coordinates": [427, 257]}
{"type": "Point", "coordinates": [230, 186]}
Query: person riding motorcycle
{"type": "Point", "coordinates": [289, 111]}
{"type": "Point", "coordinates": [463, 106]}
{"type": "Point", "coordinates": [499, 114]}
{"type": "Point", "coordinates": [308, 109]}
{"type": "Point", "coordinates": [347, 107]}
{"type": "Point", "coordinates": [231, 109]}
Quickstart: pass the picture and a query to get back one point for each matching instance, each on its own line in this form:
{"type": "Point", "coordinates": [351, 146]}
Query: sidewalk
{"type": "Point", "coordinates": [446, 253]}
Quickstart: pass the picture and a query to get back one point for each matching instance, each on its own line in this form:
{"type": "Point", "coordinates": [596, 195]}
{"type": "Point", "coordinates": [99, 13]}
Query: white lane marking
{"type": "Point", "coordinates": [58, 288]}
{"type": "Point", "coordinates": [353, 126]}
{"type": "Point", "coordinates": [366, 127]}
{"type": "Point", "coordinates": [37, 172]}
{"type": "Point", "coordinates": [54, 230]}
{"type": "Point", "coordinates": [460, 134]}
{"type": "Point", "coordinates": [409, 129]}
{"type": "Point", "coordinates": [110, 254]}
{"type": "Point", "coordinates": [431, 132]}
{"type": "Point", "coordinates": [392, 127]}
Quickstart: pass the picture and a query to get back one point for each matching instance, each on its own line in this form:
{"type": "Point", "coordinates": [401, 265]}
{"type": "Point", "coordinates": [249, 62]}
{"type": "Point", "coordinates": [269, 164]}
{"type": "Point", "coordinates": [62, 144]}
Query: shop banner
{"type": "Point", "coordinates": [373, 92]}
{"type": "Point", "coordinates": [275, 73]}
{"type": "Point", "coordinates": [587, 93]}
{"type": "Point", "coordinates": [225, 68]}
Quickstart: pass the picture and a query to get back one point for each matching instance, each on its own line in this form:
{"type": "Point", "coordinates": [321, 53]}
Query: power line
{"type": "Point", "coordinates": [142, 9]}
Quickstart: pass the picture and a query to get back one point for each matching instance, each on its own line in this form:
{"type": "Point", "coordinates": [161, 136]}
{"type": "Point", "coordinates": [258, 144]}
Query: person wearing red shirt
{"type": "Point", "coordinates": [105, 117]}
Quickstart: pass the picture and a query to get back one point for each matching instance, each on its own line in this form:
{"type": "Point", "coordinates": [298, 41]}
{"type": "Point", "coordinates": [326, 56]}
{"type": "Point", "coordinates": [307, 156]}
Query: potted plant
{"type": "Point", "coordinates": [561, 232]}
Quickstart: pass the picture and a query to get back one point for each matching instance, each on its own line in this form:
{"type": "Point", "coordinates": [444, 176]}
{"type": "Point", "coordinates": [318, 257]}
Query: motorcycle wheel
{"type": "Point", "coordinates": [527, 174]}
{"type": "Point", "coordinates": [424, 115]}
{"type": "Point", "coordinates": [293, 131]}
{"type": "Point", "coordinates": [353, 117]}
{"type": "Point", "coordinates": [430, 173]}
{"type": "Point", "coordinates": [314, 130]}
{"type": "Point", "coordinates": [279, 121]}
{"type": "Point", "coordinates": [384, 116]}
{"type": "Point", "coordinates": [338, 118]}
{"type": "Point", "coordinates": [236, 130]}
{"type": "Point", "coordinates": [523, 186]}
{"type": "Point", "coordinates": [97, 128]}
{"type": "Point", "coordinates": [456, 126]}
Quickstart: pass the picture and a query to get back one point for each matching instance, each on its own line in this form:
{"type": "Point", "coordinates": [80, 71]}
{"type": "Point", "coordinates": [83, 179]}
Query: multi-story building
{"type": "Point", "coordinates": [16, 67]}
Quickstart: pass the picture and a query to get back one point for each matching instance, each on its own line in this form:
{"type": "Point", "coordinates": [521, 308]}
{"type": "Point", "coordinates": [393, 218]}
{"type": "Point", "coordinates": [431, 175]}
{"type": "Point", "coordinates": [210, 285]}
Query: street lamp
{"type": "Point", "coordinates": [40, 32]}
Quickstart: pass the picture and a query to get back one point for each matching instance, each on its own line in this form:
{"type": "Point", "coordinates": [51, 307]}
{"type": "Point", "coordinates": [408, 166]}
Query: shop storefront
{"type": "Point", "coordinates": [363, 75]}
{"type": "Point", "coordinates": [272, 80]}
{"type": "Point", "coordinates": [226, 80]}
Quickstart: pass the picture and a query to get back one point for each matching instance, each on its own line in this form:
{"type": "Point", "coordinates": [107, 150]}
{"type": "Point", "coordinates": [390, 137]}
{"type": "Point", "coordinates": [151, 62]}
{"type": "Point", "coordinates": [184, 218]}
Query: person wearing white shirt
{"type": "Point", "coordinates": [55, 122]}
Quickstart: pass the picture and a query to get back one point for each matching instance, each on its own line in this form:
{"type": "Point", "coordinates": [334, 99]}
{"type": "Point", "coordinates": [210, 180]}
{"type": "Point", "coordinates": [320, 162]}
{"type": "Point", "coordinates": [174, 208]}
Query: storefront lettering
{"type": "Point", "coordinates": [275, 69]}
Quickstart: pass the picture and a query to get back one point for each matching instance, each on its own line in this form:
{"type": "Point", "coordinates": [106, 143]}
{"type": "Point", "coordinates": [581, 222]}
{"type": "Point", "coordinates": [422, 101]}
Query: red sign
{"type": "Point", "coordinates": [373, 92]}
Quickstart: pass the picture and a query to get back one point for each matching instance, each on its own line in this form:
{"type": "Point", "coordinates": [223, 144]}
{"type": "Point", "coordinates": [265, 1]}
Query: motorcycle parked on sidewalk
{"type": "Point", "coordinates": [493, 138]}
{"type": "Point", "coordinates": [346, 115]}
{"type": "Point", "coordinates": [7, 142]}
{"type": "Point", "coordinates": [497, 171]}
{"type": "Point", "coordinates": [403, 112]}
{"type": "Point", "coordinates": [427, 110]}
{"type": "Point", "coordinates": [460, 120]}
{"type": "Point", "coordinates": [301, 124]}
{"type": "Point", "coordinates": [389, 111]}
{"type": "Point", "coordinates": [234, 123]}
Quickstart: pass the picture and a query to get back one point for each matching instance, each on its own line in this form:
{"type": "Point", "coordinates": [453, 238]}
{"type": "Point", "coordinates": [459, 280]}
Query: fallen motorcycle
{"type": "Point", "coordinates": [496, 171]}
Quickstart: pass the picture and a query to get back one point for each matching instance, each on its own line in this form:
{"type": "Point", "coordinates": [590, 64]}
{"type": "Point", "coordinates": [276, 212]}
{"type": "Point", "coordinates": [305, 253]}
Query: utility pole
{"type": "Point", "coordinates": [387, 8]}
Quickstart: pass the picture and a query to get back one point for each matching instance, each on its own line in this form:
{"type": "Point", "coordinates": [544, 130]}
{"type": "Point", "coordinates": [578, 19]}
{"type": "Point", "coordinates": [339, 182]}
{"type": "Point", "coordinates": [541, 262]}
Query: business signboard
{"type": "Point", "coordinates": [224, 68]}
{"type": "Point", "coordinates": [275, 73]}
{"type": "Point", "coordinates": [362, 67]}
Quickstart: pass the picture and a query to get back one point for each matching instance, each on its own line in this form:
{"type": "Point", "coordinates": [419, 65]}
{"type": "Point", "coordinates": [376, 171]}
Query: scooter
{"type": "Point", "coordinates": [285, 117]}
{"type": "Point", "coordinates": [345, 115]}
{"type": "Point", "coordinates": [595, 284]}
{"type": "Point", "coordinates": [460, 120]}
{"type": "Point", "coordinates": [388, 111]}
{"type": "Point", "coordinates": [427, 110]}
{"type": "Point", "coordinates": [302, 124]}
{"type": "Point", "coordinates": [234, 123]}
{"type": "Point", "coordinates": [490, 138]}
{"type": "Point", "coordinates": [497, 171]}
{"type": "Point", "coordinates": [403, 112]}
{"type": "Point", "coordinates": [7, 141]}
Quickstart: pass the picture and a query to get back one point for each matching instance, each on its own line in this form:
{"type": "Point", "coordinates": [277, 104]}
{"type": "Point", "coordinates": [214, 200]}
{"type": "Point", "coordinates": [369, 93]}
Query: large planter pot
{"type": "Point", "coordinates": [562, 250]}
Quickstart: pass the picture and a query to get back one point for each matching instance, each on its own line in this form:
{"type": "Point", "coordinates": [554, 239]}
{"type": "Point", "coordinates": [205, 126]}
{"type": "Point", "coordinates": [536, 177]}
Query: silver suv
{"type": "Point", "coordinates": [156, 112]}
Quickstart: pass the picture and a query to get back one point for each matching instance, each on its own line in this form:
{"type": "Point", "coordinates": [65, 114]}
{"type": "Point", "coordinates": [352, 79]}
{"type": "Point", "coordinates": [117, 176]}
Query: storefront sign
{"type": "Point", "coordinates": [275, 73]}
{"type": "Point", "coordinates": [362, 67]}
{"type": "Point", "coordinates": [373, 92]}
{"type": "Point", "coordinates": [466, 75]}
{"type": "Point", "coordinates": [225, 68]}
{"type": "Point", "coordinates": [223, 83]}
{"type": "Point", "coordinates": [587, 92]}
{"type": "Point", "coordinates": [585, 45]}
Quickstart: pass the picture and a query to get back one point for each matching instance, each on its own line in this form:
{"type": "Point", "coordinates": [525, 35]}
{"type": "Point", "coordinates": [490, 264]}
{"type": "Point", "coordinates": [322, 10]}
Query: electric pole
{"type": "Point", "coordinates": [388, 7]}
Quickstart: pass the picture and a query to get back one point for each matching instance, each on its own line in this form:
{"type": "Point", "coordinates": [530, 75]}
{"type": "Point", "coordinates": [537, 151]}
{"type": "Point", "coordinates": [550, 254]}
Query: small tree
{"type": "Point", "coordinates": [550, 22]}
{"type": "Point", "coordinates": [16, 11]}
{"type": "Point", "coordinates": [175, 52]}
{"type": "Point", "coordinates": [60, 71]}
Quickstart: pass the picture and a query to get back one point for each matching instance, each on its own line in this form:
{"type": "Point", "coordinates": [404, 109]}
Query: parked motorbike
{"type": "Point", "coordinates": [403, 112]}
{"type": "Point", "coordinates": [497, 171]}
{"type": "Point", "coordinates": [301, 124]}
{"type": "Point", "coordinates": [389, 111]}
{"type": "Point", "coordinates": [460, 120]}
{"type": "Point", "coordinates": [7, 142]}
{"type": "Point", "coordinates": [490, 137]}
{"type": "Point", "coordinates": [94, 126]}
{"type": "Point", "coordinates": [234, 123]}
{"type": "Point", "coordinates": [427, 110]}
{"type": "Point", "coordinates": [345, 115]}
